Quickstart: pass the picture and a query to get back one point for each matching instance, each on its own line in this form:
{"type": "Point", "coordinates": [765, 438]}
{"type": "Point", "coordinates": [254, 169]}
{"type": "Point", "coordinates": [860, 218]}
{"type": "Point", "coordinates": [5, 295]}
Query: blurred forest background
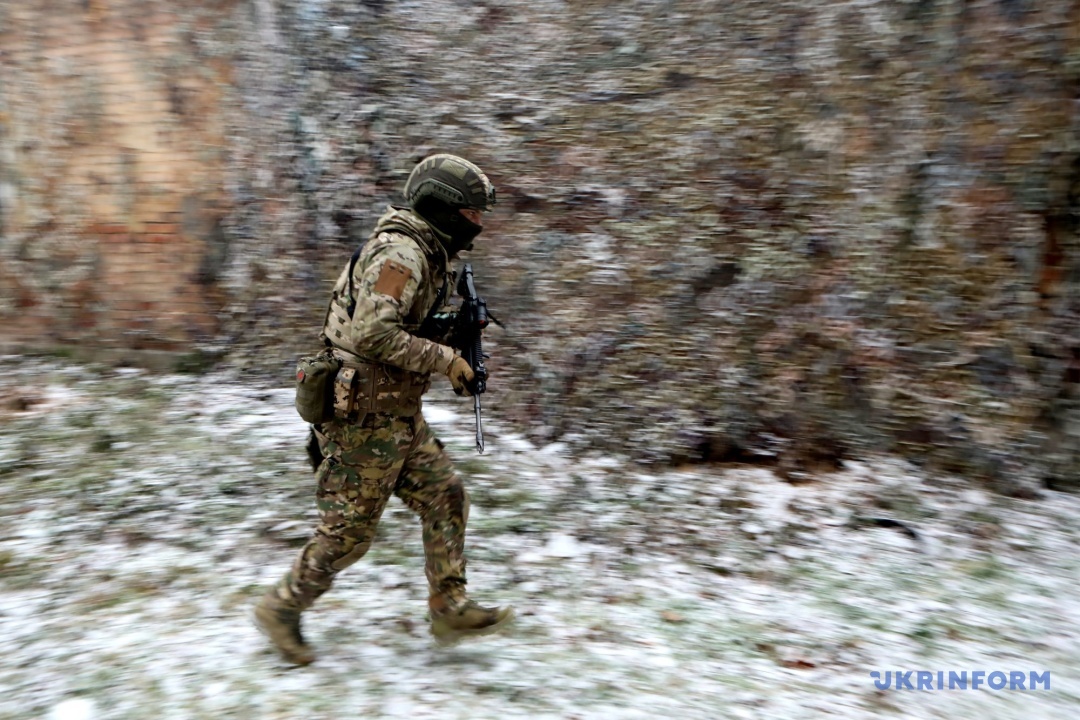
{"type": "Point", "coordinates": [788, 231]}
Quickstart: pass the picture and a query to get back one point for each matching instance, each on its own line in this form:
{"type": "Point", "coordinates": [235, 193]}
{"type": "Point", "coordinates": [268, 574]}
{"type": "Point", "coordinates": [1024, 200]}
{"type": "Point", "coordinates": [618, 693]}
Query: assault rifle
{"type": "Point", "coordinates": [472, 318]}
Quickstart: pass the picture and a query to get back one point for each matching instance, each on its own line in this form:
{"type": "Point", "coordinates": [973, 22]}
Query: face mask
{"type": "Point", "coordinates": [458, 232]}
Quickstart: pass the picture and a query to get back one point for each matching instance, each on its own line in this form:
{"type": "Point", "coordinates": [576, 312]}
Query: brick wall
{"type": "Point", "coordinates": [112, 148]}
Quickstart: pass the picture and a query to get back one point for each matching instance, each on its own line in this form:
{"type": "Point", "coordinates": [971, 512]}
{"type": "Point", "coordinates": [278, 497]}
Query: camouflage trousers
{"type": "Point", "coordinates": [363, 465]}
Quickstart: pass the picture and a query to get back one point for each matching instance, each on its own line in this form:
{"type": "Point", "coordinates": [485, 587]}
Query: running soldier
{"type": "Point", "coordinates": [378, 444]}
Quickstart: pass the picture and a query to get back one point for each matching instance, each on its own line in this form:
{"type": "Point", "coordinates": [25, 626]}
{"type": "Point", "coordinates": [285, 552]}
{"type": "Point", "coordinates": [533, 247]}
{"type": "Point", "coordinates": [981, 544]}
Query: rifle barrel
{"type": "Point", "coordinates": [479, 426]}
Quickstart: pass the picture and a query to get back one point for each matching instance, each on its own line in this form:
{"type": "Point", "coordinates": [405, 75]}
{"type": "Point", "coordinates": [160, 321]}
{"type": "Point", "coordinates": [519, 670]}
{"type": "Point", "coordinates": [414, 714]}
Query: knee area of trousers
{"type": "Point", "coordinates": [359, 550]}
{"type": "Point", "coordinates": [454, 495]}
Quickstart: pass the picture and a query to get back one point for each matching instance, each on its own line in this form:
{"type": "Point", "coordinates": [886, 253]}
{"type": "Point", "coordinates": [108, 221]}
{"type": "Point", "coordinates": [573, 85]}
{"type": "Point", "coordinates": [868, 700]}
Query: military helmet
{"type": "Point", "coordinates": [452, 180]}
{"type": "Point", "coordinates": [442, 185]}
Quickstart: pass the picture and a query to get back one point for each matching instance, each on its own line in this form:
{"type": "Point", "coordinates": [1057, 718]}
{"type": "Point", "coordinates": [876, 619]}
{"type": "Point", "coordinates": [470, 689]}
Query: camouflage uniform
{"type": "Point", "coordinates": [379, 443]}
{"type": "Point", "coordinates": [396, 281]}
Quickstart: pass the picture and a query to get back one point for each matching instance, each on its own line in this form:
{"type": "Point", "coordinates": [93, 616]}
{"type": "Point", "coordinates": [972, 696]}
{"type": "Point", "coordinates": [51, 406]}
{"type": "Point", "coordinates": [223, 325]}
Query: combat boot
{"type": "Point", "coordinates": [454, 620]}
{"type": "Point", "coordinates": [280, 623]}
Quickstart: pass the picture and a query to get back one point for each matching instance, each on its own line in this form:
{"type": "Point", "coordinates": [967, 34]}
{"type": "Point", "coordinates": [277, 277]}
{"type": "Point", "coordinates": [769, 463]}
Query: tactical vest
{"type": "Point", "coordinates": [368, 386]}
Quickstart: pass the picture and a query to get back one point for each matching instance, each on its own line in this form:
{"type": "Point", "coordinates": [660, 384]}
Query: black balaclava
{"type": "Point", "coordinates": [453, 228]}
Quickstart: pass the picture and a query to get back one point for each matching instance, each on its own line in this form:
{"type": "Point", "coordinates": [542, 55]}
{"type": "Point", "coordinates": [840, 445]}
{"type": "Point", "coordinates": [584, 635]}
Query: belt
{"type": "Point", "coordinates": [363, 387]}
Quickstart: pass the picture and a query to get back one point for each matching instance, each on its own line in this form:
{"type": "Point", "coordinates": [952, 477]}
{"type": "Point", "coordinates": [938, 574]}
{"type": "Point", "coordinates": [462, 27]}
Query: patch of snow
{"type": "Point", "coordinates": [440, 415]}
{"type": "Point", "coordinates": [129, 575]}
{"type": "Point", "coordinates": [564, 546]}
{"type": "Point", "coordinates": [74, 709]}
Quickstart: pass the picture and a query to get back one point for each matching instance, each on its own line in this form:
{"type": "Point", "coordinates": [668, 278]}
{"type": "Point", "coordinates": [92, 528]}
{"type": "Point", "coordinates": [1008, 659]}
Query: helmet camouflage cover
{"type": "Point", "coordinates": [452, 180]}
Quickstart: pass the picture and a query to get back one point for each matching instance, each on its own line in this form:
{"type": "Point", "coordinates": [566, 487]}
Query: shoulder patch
{"type": "Point", "coordinates": [392, 279]}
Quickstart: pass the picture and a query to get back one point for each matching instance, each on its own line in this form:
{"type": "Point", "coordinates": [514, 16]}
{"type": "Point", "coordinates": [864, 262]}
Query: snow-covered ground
{"type": "Point", "coordinates": [141, 517]}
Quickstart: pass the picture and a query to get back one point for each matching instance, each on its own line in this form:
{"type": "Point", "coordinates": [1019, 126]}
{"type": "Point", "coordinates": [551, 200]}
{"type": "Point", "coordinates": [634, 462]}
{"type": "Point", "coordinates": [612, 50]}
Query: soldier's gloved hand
{"type": "Point", "coordinates": [461, 376]}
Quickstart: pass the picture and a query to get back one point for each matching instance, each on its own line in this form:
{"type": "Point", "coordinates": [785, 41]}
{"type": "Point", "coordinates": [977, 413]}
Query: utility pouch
{"type": "Point", "coordinates": [345, 392]}
{"type": "Point", "coordinates": [315, 386]}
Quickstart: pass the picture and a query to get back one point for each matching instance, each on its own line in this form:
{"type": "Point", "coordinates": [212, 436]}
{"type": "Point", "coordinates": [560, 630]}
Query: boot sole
{"type": "Point", "coordinates": [448, 636]}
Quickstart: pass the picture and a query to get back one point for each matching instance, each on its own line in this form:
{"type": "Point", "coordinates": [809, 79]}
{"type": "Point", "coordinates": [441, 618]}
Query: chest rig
{"type": "Point", "coordinates": [365, 386]}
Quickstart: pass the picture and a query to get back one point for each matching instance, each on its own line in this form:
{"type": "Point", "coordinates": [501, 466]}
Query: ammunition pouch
{"type": "Point", "coordinates": [362, 387]}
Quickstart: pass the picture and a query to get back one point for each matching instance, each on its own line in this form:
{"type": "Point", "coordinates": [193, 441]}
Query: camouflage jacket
{"type": "Point", "coordinates": [395, 283]}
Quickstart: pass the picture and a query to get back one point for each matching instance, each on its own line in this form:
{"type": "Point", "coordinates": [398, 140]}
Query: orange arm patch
{"type": "Point", "coordinates": [392, 279]}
